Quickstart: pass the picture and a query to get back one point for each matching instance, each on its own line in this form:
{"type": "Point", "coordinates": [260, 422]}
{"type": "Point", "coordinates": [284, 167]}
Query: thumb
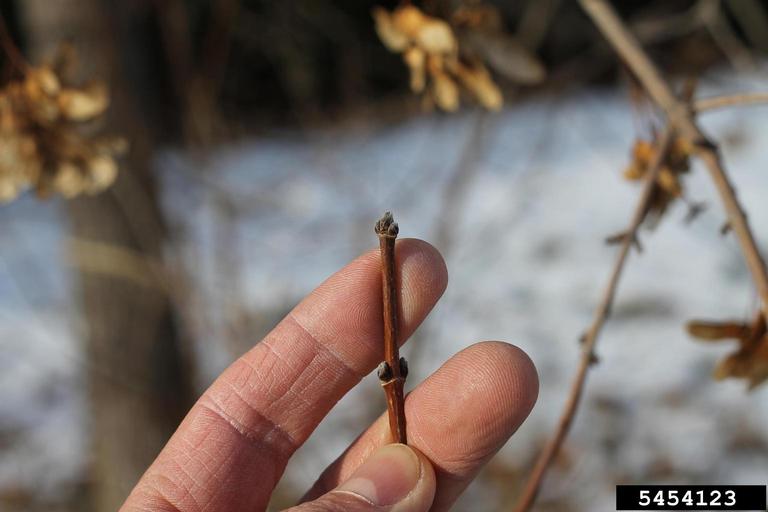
{"type": "Point", "coordinates": [395, 478]}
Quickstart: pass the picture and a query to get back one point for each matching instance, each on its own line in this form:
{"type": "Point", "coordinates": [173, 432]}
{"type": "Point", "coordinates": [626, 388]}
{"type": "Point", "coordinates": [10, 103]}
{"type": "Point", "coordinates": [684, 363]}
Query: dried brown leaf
{"type": "Point", "coordinates": [103, 172]}
{"type": "Point", "coordinates": [716, 331]}
{"type": "Point", "coordinates": [750, 360]}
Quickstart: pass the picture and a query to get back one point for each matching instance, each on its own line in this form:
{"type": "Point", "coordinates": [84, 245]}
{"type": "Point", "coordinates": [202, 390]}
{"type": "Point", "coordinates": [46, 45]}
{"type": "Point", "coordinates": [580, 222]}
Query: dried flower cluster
{"type": "Point", "coordinates": [668, 184]}
{"type": "Point", "coordinates": [750, 361]}
{"type": "Point", "coordinates": [430, 49]}
{"type": "Point", "coordinates": [43, 144]}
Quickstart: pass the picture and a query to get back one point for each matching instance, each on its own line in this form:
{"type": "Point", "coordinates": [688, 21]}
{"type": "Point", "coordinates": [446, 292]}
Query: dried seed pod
{"type": "Point", "coordinates": [393, 39]}
{"type": "Point", "coordinates": [102, 171]}
{"type": "Point", "coordinates": [408, 19]}
{"type": "Point", "coordinates": [42, 144]}
{"type": "Point", "coordinates": [415, 59]}
{"type": "Point", "coordinates": [446, 92]}
{"type": "Point", "coordinates": [431, 50]}
{"type": "Point", "coordinates": [84, 104]}
{"type": "Point", "coordinates": [436, 36]}
{"type": "Point", "coordinates": [68, 180]}
{"type": "Point", "coordinates": [477, 80]}
{"type": "Point", "coordinates": [669, 183]}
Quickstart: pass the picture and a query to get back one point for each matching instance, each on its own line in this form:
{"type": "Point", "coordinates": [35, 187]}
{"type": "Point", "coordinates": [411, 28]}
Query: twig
{"type": "Point", "coordinates": [730, 100]}
{"type": "Point", "coordinates": [591, 336]}
{"type": "Point", "coordinates": [393, 370]}
{"type": "Point", "coordinates": [681, 118]}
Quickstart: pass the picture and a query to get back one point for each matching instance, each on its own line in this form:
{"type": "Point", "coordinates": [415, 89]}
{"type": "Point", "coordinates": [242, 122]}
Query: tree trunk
{"type": "Point", "coordinates": [139, 382]}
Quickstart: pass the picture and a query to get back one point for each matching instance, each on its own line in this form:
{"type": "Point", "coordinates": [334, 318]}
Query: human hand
{"type": "Point", "coordinates": [231, 449]}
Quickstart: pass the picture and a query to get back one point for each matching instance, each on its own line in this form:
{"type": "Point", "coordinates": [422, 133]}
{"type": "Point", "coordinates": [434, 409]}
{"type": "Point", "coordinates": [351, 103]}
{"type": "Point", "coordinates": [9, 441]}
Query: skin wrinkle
{"type": "Point", "coordinates": [193, 480]}
{"type": "Point", "coordinates": [253, 437]}
{"type": "Point", "coordinates": [356, 373]}
{"type": "Point", "coordinates": [290, 392]}
{"type": "Point", "coordinates": [264, 443]}
{"type": "Point", "coordinates": [264, 447]}
{"type": "Point", "coordinates": [275, 396]}
{"type": "Point", "coordinates": [324, 376]}
{"type": "Point", "coordinates": [156, 503]}
{"type": "Point", "coordinates": [204, 468]}
{"type": "Point", "coordinates": [162, 491]}
{"type": "Point", "coordinates": [214, 473]}
{"type": "Point", "coordinates": [182, 468]}
{"type": "Point", "coordinates": [360, 341]}
{"type": "Point", "coordinates": [326, 365]}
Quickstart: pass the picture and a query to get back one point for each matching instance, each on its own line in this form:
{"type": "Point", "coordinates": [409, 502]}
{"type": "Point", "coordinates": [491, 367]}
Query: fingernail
{"type": "Point", "coordinates": [387, 477]}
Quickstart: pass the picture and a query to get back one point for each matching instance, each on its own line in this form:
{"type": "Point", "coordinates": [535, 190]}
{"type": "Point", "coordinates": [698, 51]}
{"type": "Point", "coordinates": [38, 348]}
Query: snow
{"type": "Point", "coordinates": [527, 264]}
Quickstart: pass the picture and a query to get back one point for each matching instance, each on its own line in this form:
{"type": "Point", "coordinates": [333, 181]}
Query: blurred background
{"type": "Point", "coordinates": [265, 138]}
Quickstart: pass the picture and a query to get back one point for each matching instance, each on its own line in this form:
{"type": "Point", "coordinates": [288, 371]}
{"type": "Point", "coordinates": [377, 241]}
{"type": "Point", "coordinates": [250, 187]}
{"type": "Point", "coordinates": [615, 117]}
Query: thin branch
{"type": "Point", "coordinates": [590, 339]}
{"type": "Point", "coordinates": [681, 118]}
{"type": "Point", "coordinates": [730, 100]}
{"type": "Point", "coordinates": [393, 370]}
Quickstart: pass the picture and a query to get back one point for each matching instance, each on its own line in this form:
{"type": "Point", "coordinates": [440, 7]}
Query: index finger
{"type": "Point", "coordinates": [231, 449]}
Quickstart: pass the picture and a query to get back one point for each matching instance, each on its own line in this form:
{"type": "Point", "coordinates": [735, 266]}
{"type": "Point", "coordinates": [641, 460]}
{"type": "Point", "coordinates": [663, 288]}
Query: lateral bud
{"type": "Point", "coordinates": [384, 371]}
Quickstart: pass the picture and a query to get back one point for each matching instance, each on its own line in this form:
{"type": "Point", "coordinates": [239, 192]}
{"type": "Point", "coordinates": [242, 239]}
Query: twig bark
{"type": "Point", "coordinates": [590, 338]}
{"type": "Point", "coordinates": [730, 100]}
{"type": "Point", "coordinates": [681, 118]}
{"type": "Point", "coordinates": [393, 370]}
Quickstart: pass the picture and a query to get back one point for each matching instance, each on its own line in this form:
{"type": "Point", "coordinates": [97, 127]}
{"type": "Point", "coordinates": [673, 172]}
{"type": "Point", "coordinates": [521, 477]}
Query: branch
{"type": "Point", "coordinates": [590, 339]}
{"type": "Point", "coordinates": [730, 100]}
{"type": "Point", "coordinates": [681, 118]}
{"type": "Point", "coordinates": [393, 370]}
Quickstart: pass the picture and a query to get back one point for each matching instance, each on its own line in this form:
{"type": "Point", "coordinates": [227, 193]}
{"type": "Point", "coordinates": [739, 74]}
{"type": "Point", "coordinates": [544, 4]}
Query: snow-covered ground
{"type": "Point", "coordinates": [526, 261]}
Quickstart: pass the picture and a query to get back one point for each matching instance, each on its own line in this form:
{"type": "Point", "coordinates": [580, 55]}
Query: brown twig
{"type": "Point", "coordinates": [730, 100]}
{"type": "Point", "coordinates": [393, 370]}
{"type": "Point", "coordinates": [681, 118]}
{"type": "Point", "coordinates": [590, 338]}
